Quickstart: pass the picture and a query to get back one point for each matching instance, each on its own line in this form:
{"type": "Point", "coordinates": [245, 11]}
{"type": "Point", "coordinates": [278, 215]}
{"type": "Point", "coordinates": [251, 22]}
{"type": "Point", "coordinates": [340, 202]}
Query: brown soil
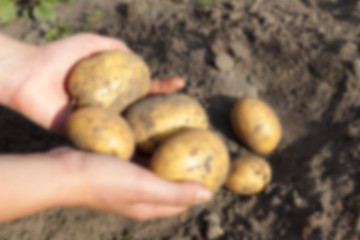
{"type": "Point", "coordinates": [301, 56]}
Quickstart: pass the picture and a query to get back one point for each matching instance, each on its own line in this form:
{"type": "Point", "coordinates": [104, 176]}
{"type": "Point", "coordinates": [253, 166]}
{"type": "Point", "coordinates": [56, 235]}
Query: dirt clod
{"type": "Point", "coordinates": [356, 66]}
{"type": "Point", "coordinates": [224, 62]}
{"type": "Point", "coordinates": [213, 229]}
{"type": "Point", "coordinates": [348, 51]}
{"type": "Point", "coordinates": [240, 50]}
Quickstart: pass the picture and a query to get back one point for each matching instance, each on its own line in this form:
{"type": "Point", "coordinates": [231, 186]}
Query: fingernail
{"type": "Point", "coordinates": [180, 82]}
{"type": "Point", "coordinates": [203, 196]}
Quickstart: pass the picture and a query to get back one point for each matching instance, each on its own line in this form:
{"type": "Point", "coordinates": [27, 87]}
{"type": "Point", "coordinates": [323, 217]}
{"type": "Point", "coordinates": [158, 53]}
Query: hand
{"type": "Point", "coordinates": [40, 94]}
{"type": "Point", "coordinates": [66, 177]}
{"type": "Point", "coordinates": [125, 189]}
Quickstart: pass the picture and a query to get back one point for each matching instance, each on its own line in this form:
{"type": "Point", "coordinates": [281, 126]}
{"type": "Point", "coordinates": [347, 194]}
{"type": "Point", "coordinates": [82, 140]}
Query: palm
{"type": "Point", "coordinates": [43, 98]}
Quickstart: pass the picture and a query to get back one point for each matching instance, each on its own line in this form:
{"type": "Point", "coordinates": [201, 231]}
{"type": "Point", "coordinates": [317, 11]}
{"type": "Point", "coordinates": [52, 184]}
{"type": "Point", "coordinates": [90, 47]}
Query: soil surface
{"type": "Point", "coordinates": [301, 56]}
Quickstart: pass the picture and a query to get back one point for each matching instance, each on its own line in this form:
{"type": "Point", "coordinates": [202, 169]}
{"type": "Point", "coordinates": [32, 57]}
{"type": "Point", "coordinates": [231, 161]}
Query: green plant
{"type": "Point", "coordinates": [95, 17]}
{"type": "Point", "coordinates": [206, 3]}
{"type": "Point", "coordinates": [60, 30]}
{"type": "Point", "coordinates": [7, 11]}
{"type": "Point", "coordinates": [40, 10]}
{"type": "Point", "coordinates": [44, 10]}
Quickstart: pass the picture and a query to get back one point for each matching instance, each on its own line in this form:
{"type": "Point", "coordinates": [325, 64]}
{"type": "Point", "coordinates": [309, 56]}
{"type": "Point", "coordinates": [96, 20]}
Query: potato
{"type": "Point", "coordinates": [155, 118]}
{"type": "Point", "coordinates": [110, 80]}
{"type": "Point", "coordinates": [192, 155]}
{"type": "Point", "coordinates": [256, 125]}
{"type": "Point", "coordinates": [101, 131]}
{"type": "Point", "coordinates": [248, 175]}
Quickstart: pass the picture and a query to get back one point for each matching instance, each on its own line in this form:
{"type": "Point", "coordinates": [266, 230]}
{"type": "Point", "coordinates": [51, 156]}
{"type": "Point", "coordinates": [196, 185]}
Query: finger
{"type": "Point", "coordinates": [153, 189]}
{"type": "Point", "coordinates": [144, 211]}
{"type": "Point", "coordinates": [166, 86]}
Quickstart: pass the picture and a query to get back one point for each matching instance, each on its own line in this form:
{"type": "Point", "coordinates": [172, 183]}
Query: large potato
{"type": "Point", "coordinates": [101, 131]}
{"type": "Point", "coordinates": [192, 155]}
{"type": "Point", "coordinates": [155, 118]}
{"type": "Point", "coordinates": [248, 175]}
{"type": "Point", "coordinates": [256, 125]}
{"type": "Point", "coordinates": [110, 80]}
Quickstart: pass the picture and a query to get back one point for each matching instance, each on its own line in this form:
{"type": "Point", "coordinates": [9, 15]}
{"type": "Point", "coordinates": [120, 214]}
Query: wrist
{"type": "Point", "coordinates": [72, 185]}
{"type": "Point", "coordinates": [40, 179]}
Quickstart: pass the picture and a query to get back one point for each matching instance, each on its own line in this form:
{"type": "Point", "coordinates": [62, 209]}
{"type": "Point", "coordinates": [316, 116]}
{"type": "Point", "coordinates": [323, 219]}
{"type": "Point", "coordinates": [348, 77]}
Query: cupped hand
{"type": "Point", "coordinates": [120, 187]}
{"type": "Point", "coordinates": [41, 95]}
{"type": "Point", "coordinates": [65, 177]}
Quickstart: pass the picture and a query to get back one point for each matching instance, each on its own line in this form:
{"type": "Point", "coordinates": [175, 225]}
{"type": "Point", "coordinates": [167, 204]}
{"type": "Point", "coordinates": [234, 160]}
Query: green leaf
{"type": "Point", "coordinates": [49, 3]}
{"type": "Point", "coordinates": [206, 3]}
{"type": "Point", "coordinates": [43, 13]}
{"type": "Point", "coordinates": [7, 11]}
{"type": "Point", "coordinates": [60, 30]}
{"type": "Point", "coordinates": [95, 17]}
{"type": "Point", "coordinates": [26, 14]}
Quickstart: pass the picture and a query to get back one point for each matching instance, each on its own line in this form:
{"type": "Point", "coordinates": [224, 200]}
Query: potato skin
{"type": "Point", "coordinates": [100, 131]}
{"type": "Point", "coordinates": [256, 125]}
{"type": "Point", "coordinates": [248, 175]}
{"type": "Point", "coordinates": [193, 155]}
{"type": "Point", "coordinates": [156, 118]}
{"type": "Point", "coordinates": [112, 80]}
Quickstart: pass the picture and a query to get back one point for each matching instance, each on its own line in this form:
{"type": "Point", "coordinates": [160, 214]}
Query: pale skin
{"type": "Point", "coordinates": [32, 83]}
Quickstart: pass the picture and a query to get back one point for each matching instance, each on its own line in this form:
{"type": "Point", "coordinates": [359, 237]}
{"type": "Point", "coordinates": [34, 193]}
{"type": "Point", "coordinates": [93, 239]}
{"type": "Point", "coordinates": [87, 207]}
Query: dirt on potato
{"type": "Point", "coordinates": [300, 56]}
{"type": "Point", "coordinates": [155, 119]}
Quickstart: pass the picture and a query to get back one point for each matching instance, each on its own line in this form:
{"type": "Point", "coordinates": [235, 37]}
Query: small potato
{"type": "Point", "coordinates": [110, 80]}
{"type": "Point", "coordinates": [156, 118]}
{"type": "Point", "coordinates": [248, 175]}
{"type": "Point", "coordinates": [192, 155]}
{"type": "Point", "coordinates": [101, 131]}
{"type": "Point", "coordinates": [256, 125]}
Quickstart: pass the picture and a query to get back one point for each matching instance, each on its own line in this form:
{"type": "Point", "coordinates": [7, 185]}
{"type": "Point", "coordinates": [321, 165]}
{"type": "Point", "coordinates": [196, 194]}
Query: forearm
{"type": "Point", "coordinates": [13, 54]}
{"type": "Point", "coordinates": [32, 183]}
